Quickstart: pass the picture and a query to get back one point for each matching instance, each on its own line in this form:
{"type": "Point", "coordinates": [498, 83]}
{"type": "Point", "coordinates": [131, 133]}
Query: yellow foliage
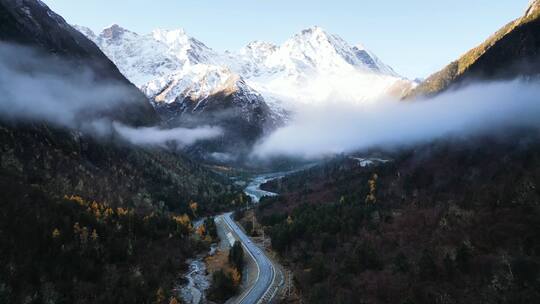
{"type": "Point", "coordinates": [372, 183]}
{"type": "Point", "coordinates": [148, 217]}
{"type": "Point", "coordinates": [182, 220]}
{"type": "Point", "coordinates": [201, 231]}
{"type": "Point", "coordinates": [56, 233]}
{"type": "Point", "coordinates": [108, 212]}
{"type": "Point", "coordinates": [75, 198]}
{"type": "Point", "coordinates": [95, 208]}
{"type": "Point", "coordinates": [122, 211]}
{"type": "Point", "coordinates": [94, 236]}
{"type": "Point", "coordinates": [193, 206]}
{"type": "Point", "coordinates": [173, 301]}
{"type": "Point", "coordinates": [236, 277]}
{"type": "Point", "coordinates": [160, 295]}
{"type": "Point", "coordinates": [289, 220]}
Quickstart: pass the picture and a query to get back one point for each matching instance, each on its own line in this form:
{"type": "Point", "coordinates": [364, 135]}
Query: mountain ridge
{"type": "Point", "coordinates": [266, 82]}
{"type": "Point", "coordinates": [514, 50]}
{"type": "Point", "coordinates": [269, 69]}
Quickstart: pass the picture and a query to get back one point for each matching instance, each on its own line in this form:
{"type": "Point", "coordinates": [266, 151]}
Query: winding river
{"type": "Point", "coordinates": [198, 282]}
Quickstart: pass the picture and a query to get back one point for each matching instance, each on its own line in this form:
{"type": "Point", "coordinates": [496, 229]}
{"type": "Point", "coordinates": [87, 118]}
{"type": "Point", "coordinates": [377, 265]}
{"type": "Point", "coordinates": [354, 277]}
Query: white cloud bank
{"type": "Point", "coordinates": [342, 127]}
{"type": "Point", "coordinates": [157, 136]}
{"type": "Point", "coordinates": [37, 87]}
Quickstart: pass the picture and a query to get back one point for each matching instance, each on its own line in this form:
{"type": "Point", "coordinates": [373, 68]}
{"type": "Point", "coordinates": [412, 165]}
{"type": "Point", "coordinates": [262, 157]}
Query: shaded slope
{"type": "Point", "coordinates": [31, 23]}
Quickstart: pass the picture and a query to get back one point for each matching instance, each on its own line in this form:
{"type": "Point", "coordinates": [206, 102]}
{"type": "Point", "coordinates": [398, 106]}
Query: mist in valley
{"type": "Point", "coordinates": [341, 127]}
{"type": "Point", "coordinates": [36, 87]}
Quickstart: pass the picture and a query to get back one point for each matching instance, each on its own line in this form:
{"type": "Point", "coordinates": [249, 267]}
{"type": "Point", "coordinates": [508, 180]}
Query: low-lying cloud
{"type": "Point", "coordinates": [38, 87]}
{"type": "Point", "coordinates": [341, 127]}
{"type": "Point", "coordinates": [158, 136]}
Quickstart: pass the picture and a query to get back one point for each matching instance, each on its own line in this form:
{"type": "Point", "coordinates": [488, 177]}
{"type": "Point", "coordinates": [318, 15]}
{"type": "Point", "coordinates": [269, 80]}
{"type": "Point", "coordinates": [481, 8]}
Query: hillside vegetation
{"type": "Point", "coordinates": [512, 51]}
{"type": "Point", "coordinates": [449, 222]}
{"type": "Point", "coordinates": [88, 220]}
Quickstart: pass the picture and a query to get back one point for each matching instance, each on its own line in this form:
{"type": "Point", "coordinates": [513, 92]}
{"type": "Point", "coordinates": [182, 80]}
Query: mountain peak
{"type": "Point", "coordinates": [327, 52]}
{"type": "Point", "coordinates": [313, 30]}
{"type": "Point", "coordinates": [113, 32]}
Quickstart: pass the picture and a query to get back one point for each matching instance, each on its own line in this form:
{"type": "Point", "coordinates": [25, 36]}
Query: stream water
{"type": "Point", "coordinates": [253, 189]}
{"type": "Point", "coordinates": [194, 291]}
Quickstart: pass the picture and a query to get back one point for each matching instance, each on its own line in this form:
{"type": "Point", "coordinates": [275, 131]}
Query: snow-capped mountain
{"type": "Point", "coordinates": [316, 67]}
{"type": "Point", "coordinates": [188, 84]}
{"type": "Point", "coordinates": [311, 67]}
{"type": "Point", "coordinates": [143, 58]}
{"type": "Point", "coordinates": [314, 51]}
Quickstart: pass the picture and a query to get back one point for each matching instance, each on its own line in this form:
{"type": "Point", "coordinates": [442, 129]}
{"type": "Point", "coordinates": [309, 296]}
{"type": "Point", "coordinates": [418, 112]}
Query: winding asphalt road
{"type": "Point", "coordinates": [266, 273]}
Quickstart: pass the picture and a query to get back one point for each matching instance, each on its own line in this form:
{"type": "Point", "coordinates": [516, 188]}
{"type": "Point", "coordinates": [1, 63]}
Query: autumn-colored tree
{"type": "Point", "coordinates": [193, 206]}
{"type": "Point", "coordinates": [236, 277]}
{"type": "Point", "coordinates": [121, 211]}
{"type": "Point", "coordinates": [201, 231]}
{"type": "Point", "coordinates": [108, 212]}
{"type": "Point", "coordinates": [289, 220]}
{"type": "Point", "coordinates": [160, 296]}
{"type": "Point", "coordinates": [56, 233]}
{"type": "Point", "coordinates": [372, 183]}
{"type": "Point", "coordinates": [94, 236]}
{"type": "Point", "coordinates": [75, 198]}
{"type": "Point", "coordinates": [183, 223]}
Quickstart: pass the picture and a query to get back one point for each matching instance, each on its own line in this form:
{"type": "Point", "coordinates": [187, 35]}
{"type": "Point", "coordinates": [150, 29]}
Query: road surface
{"type": "Point", "coordinates": [261, 291]}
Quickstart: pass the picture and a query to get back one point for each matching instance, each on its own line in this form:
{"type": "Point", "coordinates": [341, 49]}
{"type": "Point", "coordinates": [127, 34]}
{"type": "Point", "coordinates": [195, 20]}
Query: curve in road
{"type": "Point", "coordinates": [266, 271]}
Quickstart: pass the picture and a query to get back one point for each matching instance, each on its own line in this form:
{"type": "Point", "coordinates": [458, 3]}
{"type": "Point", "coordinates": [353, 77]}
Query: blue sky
{"type": "Point", "coordinates": [415, 37]}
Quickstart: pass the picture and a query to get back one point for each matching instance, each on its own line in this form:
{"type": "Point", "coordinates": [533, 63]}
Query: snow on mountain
{"type": "Point", "coordinates": [311, 67]}
{"type": "Point", "coordinates": [315, 67]}
{"type": "Point", "coordinates": [196, 82]}
{"type": "Point", "coordinates": [143, 58]}
{"type": "Point", "coordinates": [315, 51]}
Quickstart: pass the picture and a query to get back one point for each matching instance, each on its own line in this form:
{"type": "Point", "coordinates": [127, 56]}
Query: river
{"type": "Point", "coordinates": [253, 188]}
{"type": "Point", "coordinates": [194, 291]}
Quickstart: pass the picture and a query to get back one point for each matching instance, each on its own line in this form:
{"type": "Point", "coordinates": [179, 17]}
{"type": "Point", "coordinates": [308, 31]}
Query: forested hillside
{"type": "Point", "coordinates": [448, 222]}
{"type": "Point", "coordinates": [85, 218]}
